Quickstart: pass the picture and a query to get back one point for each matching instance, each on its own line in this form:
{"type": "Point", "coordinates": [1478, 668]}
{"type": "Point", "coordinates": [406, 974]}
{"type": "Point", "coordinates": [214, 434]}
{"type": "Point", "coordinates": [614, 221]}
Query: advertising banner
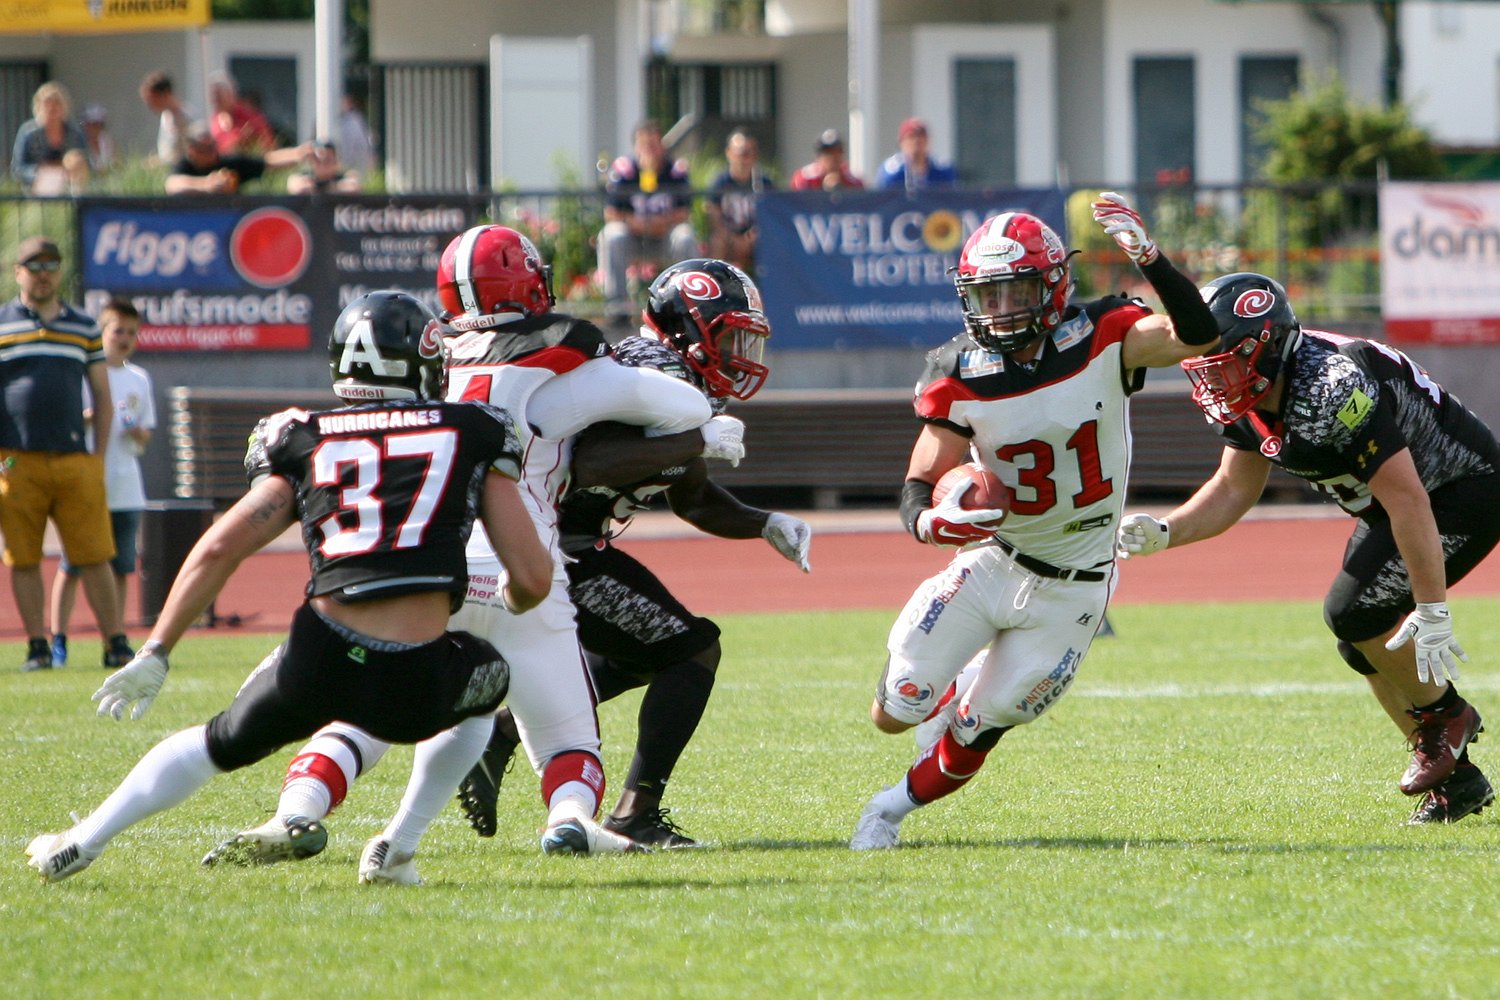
{"type": "Point", "coordinates": [258, 274]}
{"type": "Point", "coordinates": [99, 17]}
{"type": "Point", "coordinates": [1440, 262]}
{"type": "Point", "coordinates": [867, 269]}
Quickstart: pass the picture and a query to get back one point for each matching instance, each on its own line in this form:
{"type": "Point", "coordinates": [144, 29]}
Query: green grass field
{"type": "Point", "coordinates": [1211, 812]}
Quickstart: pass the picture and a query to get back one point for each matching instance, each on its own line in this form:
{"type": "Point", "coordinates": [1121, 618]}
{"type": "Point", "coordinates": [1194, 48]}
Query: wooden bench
{"type": "Point", "coordinates": [818, 448]}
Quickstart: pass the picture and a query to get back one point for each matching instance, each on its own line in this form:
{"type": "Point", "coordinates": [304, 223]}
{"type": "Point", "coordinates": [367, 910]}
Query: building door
{"type": "Point", "coordinates": [1262, 78]}
{"type": "Point", "coordinates": [270, 83]}
{"type": "Point", "coordinates": [985, 113]}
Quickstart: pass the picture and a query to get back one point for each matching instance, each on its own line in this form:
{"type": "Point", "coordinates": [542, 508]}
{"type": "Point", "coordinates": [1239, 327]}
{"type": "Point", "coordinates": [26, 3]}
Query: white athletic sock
{"type": "Point", "coordinates": [308, 795]}
{"type": "Point", "coordinates": [572, 800]}
{"type": "Point", "coordinates": [896, 801]}
{"type": "Point", "coordinates": [438, 766]}
{"type": "Point", "coordinates": [171, 771]}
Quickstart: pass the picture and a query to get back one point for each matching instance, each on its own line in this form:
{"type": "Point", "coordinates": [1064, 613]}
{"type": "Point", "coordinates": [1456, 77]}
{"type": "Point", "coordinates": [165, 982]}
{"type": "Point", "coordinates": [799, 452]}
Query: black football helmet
{"type": "Point", "coordinates": [709, 311]}
{"type": "Point", "coordinates": [1257, 334]}
{"type": "Point", "coordinates": [387, 345]}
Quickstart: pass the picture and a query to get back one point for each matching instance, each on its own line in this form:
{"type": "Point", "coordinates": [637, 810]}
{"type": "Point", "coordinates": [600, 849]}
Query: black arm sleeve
{"type": "Point", "coordinates": [1190, 316]}
{"type": "Point", "coordinates": [916, 496]}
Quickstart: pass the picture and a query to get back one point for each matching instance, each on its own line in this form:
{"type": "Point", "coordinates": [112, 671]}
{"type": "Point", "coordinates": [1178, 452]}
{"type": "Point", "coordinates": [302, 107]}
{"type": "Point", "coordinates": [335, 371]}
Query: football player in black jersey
{"type": "Point", "coordinates": [386, 490]}
{"type": "Point", "coordinates": [704, 323]}
{"type": "Point", "coordinates": [1368, 427]}
{"type": "Point", "coordinates": [555, 371]}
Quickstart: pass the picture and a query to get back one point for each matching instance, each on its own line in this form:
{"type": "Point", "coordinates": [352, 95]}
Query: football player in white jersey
{"type": "Point", "coordinates": [1037, 389]}
{"type": "Point", "coordinates": [512, 350]}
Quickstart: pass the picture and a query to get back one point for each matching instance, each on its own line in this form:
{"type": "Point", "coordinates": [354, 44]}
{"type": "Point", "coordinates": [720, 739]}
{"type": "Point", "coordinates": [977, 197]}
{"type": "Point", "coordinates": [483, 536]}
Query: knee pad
{"type": "Point", "coordinates": [1356, 660]}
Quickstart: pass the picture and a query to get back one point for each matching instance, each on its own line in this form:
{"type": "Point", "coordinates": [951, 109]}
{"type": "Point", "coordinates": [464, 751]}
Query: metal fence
{"type": "Point", "coordinates": [1322, 241]}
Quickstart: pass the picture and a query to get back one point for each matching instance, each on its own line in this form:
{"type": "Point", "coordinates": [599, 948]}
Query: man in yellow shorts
{"type": "Point", "coordinates": [48, 348]}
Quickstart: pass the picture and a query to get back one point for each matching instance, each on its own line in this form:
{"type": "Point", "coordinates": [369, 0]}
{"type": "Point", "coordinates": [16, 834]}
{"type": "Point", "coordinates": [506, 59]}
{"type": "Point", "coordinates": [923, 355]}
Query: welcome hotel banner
{"type": "Point", "coordinates": [866, 269]}
{"type": "Point", "coordinates": [97, 17]}
{"type": "Point", "coordinates": [1440, 262]}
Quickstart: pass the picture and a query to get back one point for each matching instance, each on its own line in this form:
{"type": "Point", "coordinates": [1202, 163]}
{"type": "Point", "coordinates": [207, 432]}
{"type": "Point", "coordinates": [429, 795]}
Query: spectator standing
{"type": "Point", "coordinates": [48, 349]}
{"type": "Point", "coordinates": [237, 125]}
{"type": "Point", "coordinates": [911, 166]}
{"type": "Point", "coordinates": [646, 213]}
{"type": "Point", "coordinates": [828, 170]}
{"type": "Point", "coordinates": [731, 202]}
{"type": "Point", "coordinates": [356, 146]}
{"type": "Point", "coordinates": [203, 169]}
{"type": "Point", "coordinates": [322, 172]}
{"type": "Point", "coordinates": [174, 117]}
{"type": "Point", "coordinates": [134, 401]}
{"type": "Point", "coordinates": [101, 145]}
{"type": "Point", "coordinates": [50, 155]}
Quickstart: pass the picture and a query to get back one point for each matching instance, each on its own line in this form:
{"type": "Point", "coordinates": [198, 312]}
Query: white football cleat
{"type": "Point", "coordinates": [379, 863]}
{"type": "Point", "coordinates": [575, 835]}
{"type": "Point", "coordinates": [278, 839]}
{"type": "Point", "coordinates": [875, 830]}
{"type": "Point", "coordinates": [57, 857]}
{"type": "Point", "coordinates": [927, 733]}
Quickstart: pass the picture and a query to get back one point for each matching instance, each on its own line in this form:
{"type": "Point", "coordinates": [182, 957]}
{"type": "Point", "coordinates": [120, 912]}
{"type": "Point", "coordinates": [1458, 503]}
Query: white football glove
{"type": "Point", "coordinates": [1432, 629]}
{"type": "Point", "coordinates": [724, 437]}
{"type": "Point", "coordinates": [1141, 535]}
{"type": "Point", "coordinates": [947, 523]}
{"type": "Point", "coordinates": [1124, 223]}
{"type": "Point", "coordinates": [138, 681]}
{"type": "Point", "coordinates": [791, 536]}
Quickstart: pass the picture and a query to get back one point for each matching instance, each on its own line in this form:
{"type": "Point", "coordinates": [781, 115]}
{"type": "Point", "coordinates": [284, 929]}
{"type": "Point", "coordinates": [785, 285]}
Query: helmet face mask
{"type": "Point", "coordinates": [710, 312]}
{"type": "Point", "coordinates": [490, 275]}
{"type": "Point", "coordinates": [1013, 282]}
{"type": "Point", "coordinates": [386, 346]}
{"type": "Point", "coordinates": [1258, 332]}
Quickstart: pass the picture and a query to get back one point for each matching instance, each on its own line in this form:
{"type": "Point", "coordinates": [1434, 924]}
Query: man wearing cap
{"type": "Point", "coordinates": [911, 167]}
{"type": "Point", "coordinates": [101, 143]}
{"type": "Point", "coordinates": [48, 349]}
{"type": "Point", "coordinates": [828, 169]}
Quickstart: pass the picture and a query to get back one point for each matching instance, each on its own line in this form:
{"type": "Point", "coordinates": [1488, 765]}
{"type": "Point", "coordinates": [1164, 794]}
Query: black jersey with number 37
{"type": "Point", "coordinates": [386, 493]}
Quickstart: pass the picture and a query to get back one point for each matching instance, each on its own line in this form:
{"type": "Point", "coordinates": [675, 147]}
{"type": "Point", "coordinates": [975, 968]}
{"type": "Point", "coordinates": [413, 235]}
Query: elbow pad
{"type": "Point", "coordinates": [916, 496]}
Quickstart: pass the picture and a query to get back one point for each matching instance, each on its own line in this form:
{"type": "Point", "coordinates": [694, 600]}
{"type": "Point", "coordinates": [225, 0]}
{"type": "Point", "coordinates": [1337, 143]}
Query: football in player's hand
{"type": "Point", "coordinates": [987, 493]}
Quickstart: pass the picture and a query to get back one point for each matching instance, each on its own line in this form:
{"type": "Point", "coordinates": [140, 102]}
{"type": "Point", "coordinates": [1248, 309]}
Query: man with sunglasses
{"type": "Point", "coordinates": [48, 466]}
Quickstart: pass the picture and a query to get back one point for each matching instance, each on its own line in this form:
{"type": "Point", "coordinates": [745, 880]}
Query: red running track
{"type": "Point", "coordinates": [1282, 559]}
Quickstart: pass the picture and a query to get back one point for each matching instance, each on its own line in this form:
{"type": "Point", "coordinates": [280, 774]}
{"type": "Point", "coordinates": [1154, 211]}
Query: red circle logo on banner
{"type": "Point", "coordinates": [270, 247]}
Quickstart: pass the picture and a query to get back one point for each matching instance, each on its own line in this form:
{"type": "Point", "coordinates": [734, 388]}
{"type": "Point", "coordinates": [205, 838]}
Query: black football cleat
{"type": "Point", "coordinates": [650, 828]}
{"type": "Point", "coordinates": [1466, 792]}
{"type": "Point", "coordinates": [480, 790]}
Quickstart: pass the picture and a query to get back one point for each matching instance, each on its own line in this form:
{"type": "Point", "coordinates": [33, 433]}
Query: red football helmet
{"type": "Point", "coordinates": [710, 312]}
{"type": "Point", "coordinates": [1013, 282]}
{"type": "Point", "coordinates": [490, 271]}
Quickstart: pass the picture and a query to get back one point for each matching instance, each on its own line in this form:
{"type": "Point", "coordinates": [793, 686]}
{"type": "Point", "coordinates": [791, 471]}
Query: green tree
{"type": "Point", "coordinates": [1320, 134]}
{"type": "Point", "coordinates": [1329, 150]}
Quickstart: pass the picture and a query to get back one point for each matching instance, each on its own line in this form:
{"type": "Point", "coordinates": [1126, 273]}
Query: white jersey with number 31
{"type": "Point", "coordinates": [1057, 433]}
